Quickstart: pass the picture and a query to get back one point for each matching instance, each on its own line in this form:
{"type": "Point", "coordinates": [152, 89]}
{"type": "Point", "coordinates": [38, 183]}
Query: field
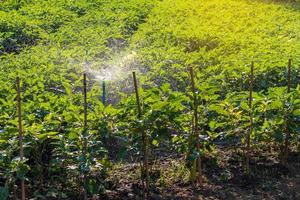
{"type": "Point", "coordinates": [212, 112]}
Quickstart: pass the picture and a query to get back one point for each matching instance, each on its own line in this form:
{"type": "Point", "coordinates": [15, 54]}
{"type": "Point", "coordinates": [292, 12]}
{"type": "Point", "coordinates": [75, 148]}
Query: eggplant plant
{"type": "Point", "coordinates": [282, 116]}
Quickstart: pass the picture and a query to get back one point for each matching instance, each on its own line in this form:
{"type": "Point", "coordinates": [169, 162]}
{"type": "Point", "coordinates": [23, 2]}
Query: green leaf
{"type": "Point", "coordinates": [155, 143]}
{"type": "Point", "coordinates": [296, 112]}
{"type": "Point", "coordinates": [4, 193]}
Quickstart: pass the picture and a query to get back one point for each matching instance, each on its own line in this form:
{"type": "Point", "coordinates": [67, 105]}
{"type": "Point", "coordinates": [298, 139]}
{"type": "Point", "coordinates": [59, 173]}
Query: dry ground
{"type": "Point", "coordinates": [224, 180]}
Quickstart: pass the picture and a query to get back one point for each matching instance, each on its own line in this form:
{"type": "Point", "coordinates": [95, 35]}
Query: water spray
{"type": "Point", "coordinates": [114, 70]}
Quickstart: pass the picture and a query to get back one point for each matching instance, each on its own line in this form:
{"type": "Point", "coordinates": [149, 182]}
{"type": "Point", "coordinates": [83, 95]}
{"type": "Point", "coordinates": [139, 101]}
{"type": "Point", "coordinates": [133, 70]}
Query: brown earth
{"type": "Point", "coordinates": [224, 180]}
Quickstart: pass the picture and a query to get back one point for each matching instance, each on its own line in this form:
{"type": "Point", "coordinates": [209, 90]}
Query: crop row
{"type": "Point", "coordinates": [65, 135]}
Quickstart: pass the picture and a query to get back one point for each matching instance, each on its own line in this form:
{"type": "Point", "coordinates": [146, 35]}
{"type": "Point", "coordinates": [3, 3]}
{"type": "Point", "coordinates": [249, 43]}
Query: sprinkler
{"type": "Point", "coordinates": [103, 93]}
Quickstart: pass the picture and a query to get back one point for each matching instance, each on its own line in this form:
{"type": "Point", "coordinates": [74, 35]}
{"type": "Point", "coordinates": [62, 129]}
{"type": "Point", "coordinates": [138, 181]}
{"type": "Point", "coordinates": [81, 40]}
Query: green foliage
{"type": "Point", "coordinates": [3, 193]}
{"type": "Point", "coordinates": [220, 38]}
{"type": "Point", "coordinates": [50, 43]}
{"type": "Point", "coordinates": [56, 31]}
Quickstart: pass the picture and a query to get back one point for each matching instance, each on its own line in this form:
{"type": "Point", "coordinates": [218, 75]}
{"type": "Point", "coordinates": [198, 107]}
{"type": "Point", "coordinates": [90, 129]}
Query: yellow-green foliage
{"type": "Point", "coordinates": [219, 35]}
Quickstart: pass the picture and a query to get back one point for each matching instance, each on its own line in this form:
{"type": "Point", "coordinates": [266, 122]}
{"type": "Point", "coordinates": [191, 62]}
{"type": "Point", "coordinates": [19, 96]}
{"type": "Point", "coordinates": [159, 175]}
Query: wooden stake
{"type": "Point", "coordinates": [19, 108]}
{"type": "Point", "coordinates": [84, 149]}
{"type": "Point", "coordinates": [196, 128]}
{"type": "Point", "coordinates": [289, 75]}
{"type": "Point", "coordinates": [145, 168]}
{"type": "Point", "coordinates": [287, 137]}
{"type": "Point", "coordinates": [248, 145]}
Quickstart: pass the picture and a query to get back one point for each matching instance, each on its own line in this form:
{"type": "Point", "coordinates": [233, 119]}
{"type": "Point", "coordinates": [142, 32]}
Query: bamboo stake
{"type": "Point", "coordinates": [289, 75]}
{"type": "Point", "coordinates": [84, 149]}
{"type": "Point", "coordinates": [196, 128]}
{"type": "Point", "coordinates": [248, 145]}
{"type": "Point", "coordinates": [145, 168]}
{"type": "Point", "coordinates": [19, 108]}
{"type": "Point", "coordinates": [287, 137]}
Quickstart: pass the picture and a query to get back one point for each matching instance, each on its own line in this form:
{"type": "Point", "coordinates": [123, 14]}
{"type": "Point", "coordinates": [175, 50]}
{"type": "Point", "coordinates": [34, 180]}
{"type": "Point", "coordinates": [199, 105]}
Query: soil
{"type": "Point", "coordinates": [224, 179]}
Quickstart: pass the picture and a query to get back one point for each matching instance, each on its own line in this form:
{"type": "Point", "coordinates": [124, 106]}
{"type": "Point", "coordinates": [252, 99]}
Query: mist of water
{"type": "Point", "coordinates": [115, 70]}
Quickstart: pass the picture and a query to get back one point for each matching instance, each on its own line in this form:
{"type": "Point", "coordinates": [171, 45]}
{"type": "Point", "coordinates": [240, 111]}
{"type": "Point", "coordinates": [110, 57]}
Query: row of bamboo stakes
{"type": "Point", "coordinates": [145, 164]}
